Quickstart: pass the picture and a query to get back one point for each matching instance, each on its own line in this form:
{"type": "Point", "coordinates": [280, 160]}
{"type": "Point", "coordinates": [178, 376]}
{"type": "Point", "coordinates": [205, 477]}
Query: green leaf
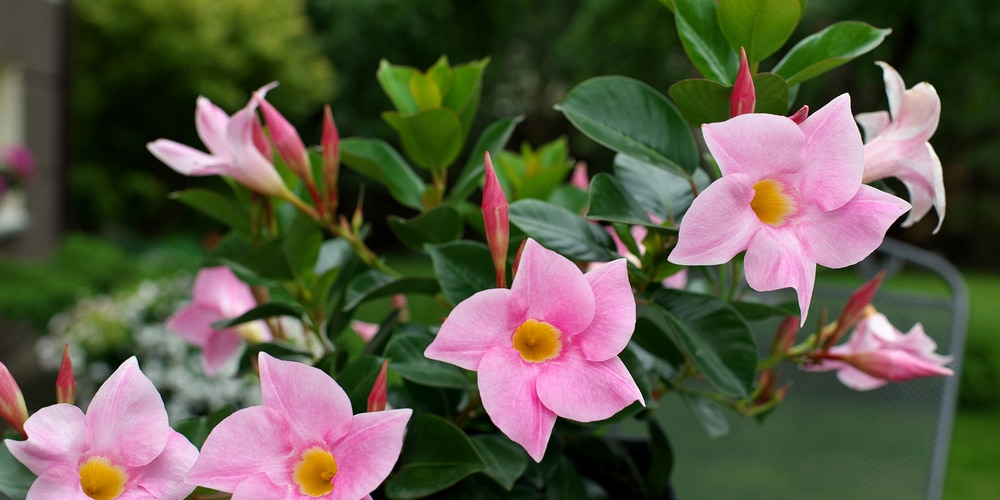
{"type": "Point", "coordinates": [301, 243]}
{"type": "Point", "coordinates": [493, 139]}
{"type": "Point", "coordinates": [464, 94]}
{"type": "Point", "coordinates": [268, 261]}
{"type": "Point", "coordinates": [661, 463]}
{"type": "Point", "coordinates": [772, 94]}
{"type": "Point", "coordinates": [698, 28]}
{"type": "Point", "coordinates": [406, 357]}
{"type": "Point", "coordinates": [462, 268]}
{"type": "Point", "coordinates": [373, 284]}
{"type": "Point", "coordinates": [827, 49]}
{"type": "Point", "coordinates": [505, 460]}
{"type": "Point", "coordinates": [563, 231]}
{"type": "Point", "coordinates": [395, 82]}
{"type": "Point", "coordinates": [663, 193]}
{"type": "Point", "coordinates": [262, 311]}
{"type": "Point", "coordinates": [378, 160]}
{"type": "Point", "coordinates": [715, 337]}
{"type": "Point", "coordinates": [216, 206]}
{"type": "Point", "coordinates": [439, 225]}
{"type": "Point", "coordinates": [631, 117]}
{"type": "Point", "coordinates": [15, 478]}
{"type": "Point", "coordinates": [333, 254]}
{"type": "Point", "coordinates": [705, 101]}
{"type": "Point", "coordinates": [609, 201]}
{"type": "Point", "coordinates": [357, 379]}
{"type": "Point", "coordinates": [436, 454]}
{"type": "Point", "coordinates": [197, 429]}
{"type": "Point", "coordinates": [759, 26]}
{"type": "Point", "coordinates": [425, 91]}
{"type": "Point", "coordinates": [708, 413]}
{"type": "Point", "coordinates": [563, 482]}
{"type": "Point", "coordinates": [431, 138]}
{"type": "Point", "coordinates": [756, 311]}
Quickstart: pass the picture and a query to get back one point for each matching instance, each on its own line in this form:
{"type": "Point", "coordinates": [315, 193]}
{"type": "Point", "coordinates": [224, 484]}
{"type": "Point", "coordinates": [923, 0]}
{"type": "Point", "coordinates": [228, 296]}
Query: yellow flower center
{"type": "Point", "coordinates": [314, 473]}
{"type": "Point", "coordinates": [537, 341]}
{"type": "Point", "coordinates": [102, 480]}
{"type": "Point", "coordinates": [770, 203]}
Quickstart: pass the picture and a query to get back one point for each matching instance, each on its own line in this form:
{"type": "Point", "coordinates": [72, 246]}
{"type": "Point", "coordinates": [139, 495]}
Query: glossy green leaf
{"type": "Point", "coordinates": [563, 482]}
{"type": "Point", "coordinates": [493, 139]}
{"type": "Point", "coordinates": [197, 429]}
{"type": "Point", "coordinates": [216, 206]}
{"type": "Point", "coordinates": [301, 243]}
{"type": "Point", "coordinates": [757, 311]}
{"type": "Point", "coordinates": [759, 26]}
{"type": "Point", "coordinates": [406, 357]}
{"type": "Point", "coordinates": [425, 91]}
{"type": "Point", "coordinates": [465, 91]}
{"type": "Point", "coordinates": [462, 268]}
{"type": "Point", "coordinates": [563, 231]}
{"type": "Point", "coordinates": [631, 117]}
{"type": "Point", "coordinates": [698, 28]}
{"type": "Point", "coordinates": [715, 337]}
{"type": "Point", "coordinates": [333, 253]}
{"type": "Point", "coordinates": [268, 261]}
{"type": "Point", "coordinates": [431, 138]}
{"type": "Point", "coordinates": [662, 193]}
{"type": "Point", "coordinates": [373, 284]}
{"type": "Point", "coordinates": [263, 311]}
{"type": "Point", "coordinates": [709, 414]}
{"type": "Point", "coordinates": [436, 454]}
{"type": "Point", "coordinates": [505, 459]}
{"type": "Point", "coordinates": [772, 94]}
{"type": "Point", "coordinates": [704, 101]}
{"type": "Point", "coordinates": [15, 478]}
{"type": "Point", "coordinates": [438, 225]}
{"type": "Point", "coordinates": [655, 335]}
{"type": "Point", "coordinates": [661, 463]}
{"type": "Point", "coordinates": [378, 160]}
{"type": "Point", "coordinates": [395, 82]}
{"type": "Point", "coordinates": [609, 201]}
{"type": "Point", "coordinates": [357, 379]}
{"type": "Point", "coordinates": [827, 49]}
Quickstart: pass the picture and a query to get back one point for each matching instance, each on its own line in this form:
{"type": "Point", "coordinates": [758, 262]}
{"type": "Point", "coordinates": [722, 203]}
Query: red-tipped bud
{"type": "Point", "coordinates": [784, 339]}
{"type": "Point", "coordinates": [12, 407]}
{"type": "Point", "coordinates": [495, 220]}
{"type": "Point", "coordinates": [377, 399]}
{"type": "Point", "coordinates": [331, 159]}
{"type": "Point", "coordinates": [286, 140]}
{"type": "Point", "coordinates": [855, 308]}
{"type": "Point", "coordinates": [579, 178]}
{"type": "Point", "coordinates": [800, 115]}
{"type": "Point", "coordinates": [66, 382]}
{"type": "Point", "coordinates": [260, 140]}
{"type": "Point", "coordinates": [743, 99]}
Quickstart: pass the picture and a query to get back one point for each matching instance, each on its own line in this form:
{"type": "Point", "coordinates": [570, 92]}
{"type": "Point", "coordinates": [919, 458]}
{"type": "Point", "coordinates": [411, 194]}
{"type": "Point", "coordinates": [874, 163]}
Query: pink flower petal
{"type": "Point", "coordinates": [922, 175]}
{"type": "Point", "coordinates": [366, 456]}
{"type": "Point", "coordinates": [218, 286]}
{"type": "Point", "coordinates": [298, 393]}
{"type": "Point", "coordinates": [507, 387]}
{"type": "Point", "coordinates": [163, 477]}
{"type": "Point", "coordinates": [248, 442]}
{"type": "Point", "coordinates": [259, 487]}
{"type": "Point", "coordinates": [918, 116]}
{"type": "Point", "coordinates": [586, 391]}
{"type": "Point", "coordinates": [755, 144]}
{"type": "Point", "coordinates": [553, 289]}
{"type": "Point", "coordinates": [873, 124]}
{"type": "Point", "coordinates": [719, 225]}
{"type": "Point", "coordinates": [845, 236]}
{"type": "Point", "coordinates": [57, 435]}
{"type": "Point", "coordinates": [219, 348]}
{"type": "Point", "coordinates": [775, 259]}
{"type": "Point", "coordinates": [249, 166]}
{"type": "Point", "coordinates": [858, 380]}
{"type": "Point", "coordinates": [894, 87]}
{"type": "Point", "coordinates": [194, 323]}
{"type": "Point", "coordinates": [61, 481]}
{"type": "Point", "coordinates": [835, 155]}
{"type": "Point", "coordinates": [127, 418]}
{"type": "Point", "coordinates": [185, 159]}
{"type": "Point", "coordinates": [480, 322]}
{"type": "Point", "coordinates": [614, 316]}
{"type": "Point", "coordinates": [211, 122]}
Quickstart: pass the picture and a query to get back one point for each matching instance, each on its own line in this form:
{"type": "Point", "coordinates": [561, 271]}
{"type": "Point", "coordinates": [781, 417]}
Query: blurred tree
{"type": "Point", "coordinates": [138, 68]}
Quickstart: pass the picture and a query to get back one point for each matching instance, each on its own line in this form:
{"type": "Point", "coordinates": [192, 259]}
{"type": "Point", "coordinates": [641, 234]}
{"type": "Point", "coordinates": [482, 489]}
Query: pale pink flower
{"type": "Point", "coordinates": [546, 347]}
{"type": "Point", "coordinates": [791, 196]}
{"type": "Point", "coordinates": [878, 353]}
{"type": "Point", "coordinates": [302, 442]}
{"type": "Point", "coordinates": [896, 144]}
{"type": "Point", "coordinates": [218, 295]}
{"type": "Point", "coordinates": [232, 151]}
{"type": "Point", "coordinates": [121, 448]}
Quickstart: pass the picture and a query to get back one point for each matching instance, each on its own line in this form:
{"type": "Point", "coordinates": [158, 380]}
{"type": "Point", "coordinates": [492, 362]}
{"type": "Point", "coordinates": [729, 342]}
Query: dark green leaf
{"type": "Point", "coordinates": [438, 225]}
{"type": "Point", "coordinates": [708, 413]}
{"type": "Point", "coordinates": [493, 140]}
{"type": "Point", "coordinates": [373, 284]}
{"type": "Point", "coordinates": [462, 268]}
{"type": "Point", "coordinates": [216, 206]}
{"type": "Point", "coordinates": [395, 82]}
{"type": "Point", "coordinates": [197, 429]}
{"type": "Point", "coordinates": [661, 464]}
{"type": "Point", "coordinates": [563, 231]}
{"type": "Point", "coordinates": [431, 138]}
{"type": "Point", "coordinates": [505, 460]}
{"type": "Point", "coordinates": [609, 201]}
{"type": "Point", "coordinates": [631, 117]}
{"type": "Point", "coordinates": [268, 261]}
{"type": "Point", "coordinates": [655, 335]}
{"type": "Point", "coordinates": [701, 100]}
{"type": "Point", "coordinates": [15, 479]}
{"type": "Point", "coordinates": [262, 311]}
{"type": "Point", "coordinates": [563, 482]}
{"type": "Point", "coordinates": [698, 27]}
{"type": "Point", "coordinates": [406, 357]}
{"type": "Point", "coordinates": [379, 161]}
{"type": "Point", "coordinates": [827, 49]}
{"type": "Point", "coordinates": [772, 94]}
{"type": "Point", "coordinates": [759, 26]}
{"type": "Point", "coordinates": [436, 454]}
{"type": "Point", "coordinates": [663, 193]}
{"type": "Point", "coordinates": [357, 379]}
{"type": "Point", "coordinates": [756, 311]}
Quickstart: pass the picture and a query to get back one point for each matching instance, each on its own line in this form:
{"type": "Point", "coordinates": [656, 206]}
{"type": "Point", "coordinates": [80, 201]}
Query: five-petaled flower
{"type": "Point", "coordinates": [218, 295]}
{"type": "Point", "coordinates": [896, 144]}
{"type": "Point", "coordinates": [122, 447]}
{"type": "Point", "coordinates": [878, 353]}
{"type": "Point", "coordinates": [302, 442]}
{"type": "Point", "coordinates": [546, 347]}
{"type": "Point", "coordinates": [791, 196]}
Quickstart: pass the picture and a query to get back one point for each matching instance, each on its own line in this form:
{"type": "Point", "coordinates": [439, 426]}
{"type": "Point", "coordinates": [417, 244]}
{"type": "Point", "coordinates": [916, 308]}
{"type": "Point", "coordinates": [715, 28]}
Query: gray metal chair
{"type": "Point", "coordinates": [828, 441]}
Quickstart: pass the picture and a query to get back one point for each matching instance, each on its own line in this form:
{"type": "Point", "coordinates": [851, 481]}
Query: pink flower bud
{"type": "Point", "coordinates": [364, 329]}
{"type": "Point", "coordinates": [579, 177]}
{"type": "Point", "coordinates": [286, 140]}
{"type": "Point", "coordinates": [495, 220]}
{"type": "Point", "coordinates": [377, 399]}
{"type": "Point", "coordinates": [856, 308]}
{"type": "Point", "coordinates": [260, 140]}
{"type": "Point", "coordinates": [784, 339]}
{"type": "Point", "coordinates": [66, 382]}
{"type": "Point", "coordinates": [331, 159]}
{"type": "Point", "coordinates": [12, 407]}
{"type": "Point", "coordinates": [895, 365]}
{"type": "Point", "coordinates": [743, 99]}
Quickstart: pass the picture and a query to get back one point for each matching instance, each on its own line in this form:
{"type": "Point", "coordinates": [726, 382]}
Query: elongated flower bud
{"type": "Point", "coordinates": [287, 141]}
{"type": "Point", "coordinates": [743, 99]}
{"type": "Point", "coordinates": [496, 222]}
{"type": "Point", "coordinates": [377, 399]}
{"type": "Point", "coordinates": [857, 307]}
{"type": "Point", "coordinates": [12, 407]}
{"type": "Point", "coordinates": [66, 382]}
{"type": "Point", "coordinates": [331, 160]}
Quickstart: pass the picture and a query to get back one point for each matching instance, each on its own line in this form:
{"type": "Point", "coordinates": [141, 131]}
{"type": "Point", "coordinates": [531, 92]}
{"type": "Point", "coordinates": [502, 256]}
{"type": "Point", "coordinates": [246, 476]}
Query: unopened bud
{"type": "Point", "coordinates": [286, 140]}
{"type": "Point", "coordinates": [12, 407]}
{"type": "Point", "coordinates": [743, 99]}
{"type": "Point", "coordinates": [66, 382]}
{"type": "Point", "coordinates": [495, 220]}
{"type": "Point", "coordinates": [378, 398]}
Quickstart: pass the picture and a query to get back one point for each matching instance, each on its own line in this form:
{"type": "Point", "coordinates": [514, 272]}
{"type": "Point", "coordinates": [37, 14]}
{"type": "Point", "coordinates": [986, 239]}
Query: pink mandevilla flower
{"type": "Point", "coordinates": [896, 144]}
{"type": "Point", "coordinates": [122, 448]}
{"type": "Point", "coordinates": [232, 151]}
{"type": "Point", "coordinates": [791, 196]}
{"type": "Point", "coordinates": [546, 347]}
{"type": "Point", "coordinates": [218, 295]}
{"type": "Point", "coordinates": [878, 353]}
{"type": "Point", "coordinates": [302, 442]}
